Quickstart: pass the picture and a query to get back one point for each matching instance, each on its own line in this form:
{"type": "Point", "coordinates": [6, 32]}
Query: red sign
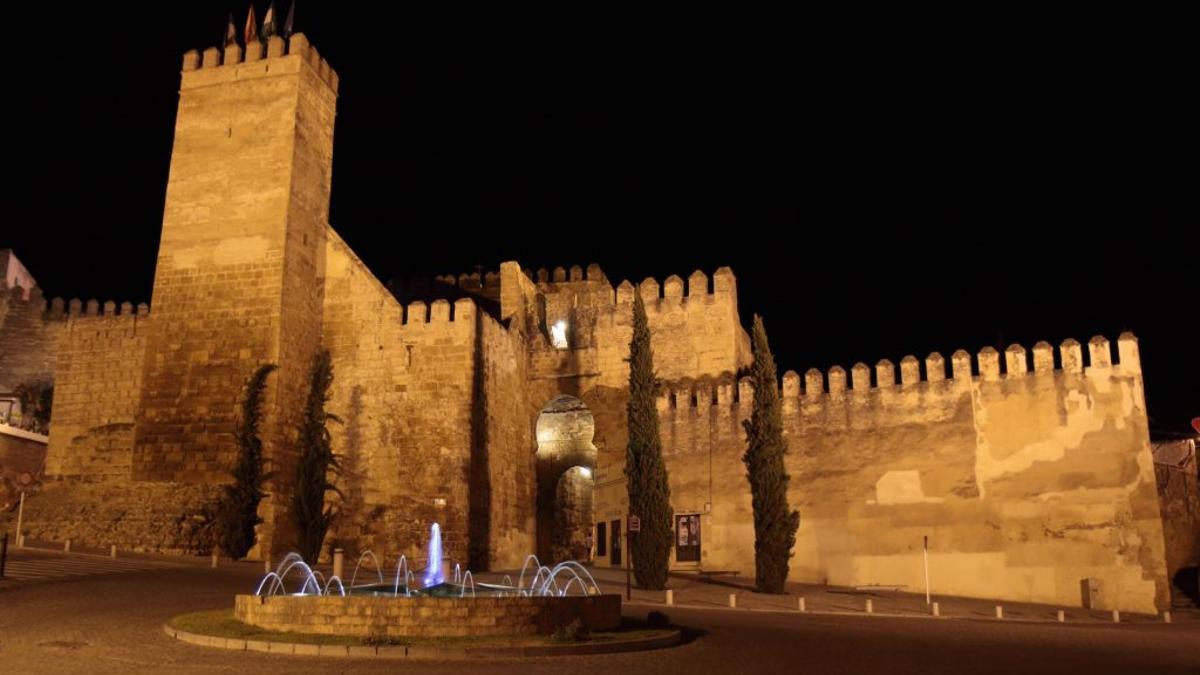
{"type": "Point", "coordinates": [1196, 424]}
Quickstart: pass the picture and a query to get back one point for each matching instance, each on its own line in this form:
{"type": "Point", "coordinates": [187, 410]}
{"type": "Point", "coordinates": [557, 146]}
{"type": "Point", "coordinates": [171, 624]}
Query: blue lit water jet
{"type": "Point", "coordinates": [433, 569]}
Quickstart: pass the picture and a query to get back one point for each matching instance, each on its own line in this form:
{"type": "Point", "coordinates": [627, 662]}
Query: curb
{"type": "Point", "coordinates": [401, 651]}
{"type": "Point", "coordinates": [889, 615]}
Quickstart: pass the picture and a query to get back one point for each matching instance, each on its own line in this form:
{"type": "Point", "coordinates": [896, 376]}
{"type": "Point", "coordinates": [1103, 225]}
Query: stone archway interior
{"type": "Point", "coordinates": [566, 458]}
{"type": "Point", "coordinates": [572, 515]}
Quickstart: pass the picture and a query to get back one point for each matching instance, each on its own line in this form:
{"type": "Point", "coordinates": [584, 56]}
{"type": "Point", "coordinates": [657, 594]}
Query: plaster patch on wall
{"type": "Point", "coordinates": [241, 250]}
{"type": "Point", "coordinates": [1078, 423]}
{"type": "Point", "coordinates": [901, 487]}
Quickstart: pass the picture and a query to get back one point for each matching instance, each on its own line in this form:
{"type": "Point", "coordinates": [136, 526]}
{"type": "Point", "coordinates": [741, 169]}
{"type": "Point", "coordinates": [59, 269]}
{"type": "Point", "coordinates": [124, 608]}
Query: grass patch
{"type": "Point", "coordinates": [221, 623]}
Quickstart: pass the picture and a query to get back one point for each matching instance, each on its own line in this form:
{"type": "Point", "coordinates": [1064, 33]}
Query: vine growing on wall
{"type": "Point", "coordinates": [237, 510]}
{"type": "Point", "coordinates": [316, 464]}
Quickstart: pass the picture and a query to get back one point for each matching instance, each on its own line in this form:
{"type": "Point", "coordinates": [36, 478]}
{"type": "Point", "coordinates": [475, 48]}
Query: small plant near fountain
{"type": "Point", "coordinates": [657, 619]}
{"type": "Point", "coordinates": [576, 631]}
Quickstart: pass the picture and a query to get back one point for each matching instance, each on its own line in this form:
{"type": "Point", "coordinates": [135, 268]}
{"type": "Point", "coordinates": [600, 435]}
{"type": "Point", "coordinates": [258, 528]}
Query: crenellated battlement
{"type": "Point", "coordinates": [439, 312]}
{"type": "Point", "coordinates": [914, 374]}
{"type": "Point", "coordinates": [567, 275]}
{"type": "Point", "coordinates": [56, 309]}
{"type": "Point", "coordinates": [673, 289]}
{"type": "Point", "coordinates": [234, 62]}
{"type": "Point", "coordinates": [94, 309]}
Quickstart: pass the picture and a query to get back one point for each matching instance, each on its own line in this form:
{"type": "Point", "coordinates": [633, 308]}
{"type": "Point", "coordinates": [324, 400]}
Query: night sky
{"type": "Point", "coordinates": [877, 192]}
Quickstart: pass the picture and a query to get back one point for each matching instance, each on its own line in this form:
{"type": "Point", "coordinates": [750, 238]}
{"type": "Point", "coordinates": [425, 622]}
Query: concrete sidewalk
{"type": "Point", "coordinates": [694, 592]}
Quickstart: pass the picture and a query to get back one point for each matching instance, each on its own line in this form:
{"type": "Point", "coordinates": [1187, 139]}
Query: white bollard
{"type": "Point", "coordinates": [800, 605]}
{"type": "Point", "coordinates": [937, 611]}
{"type": "Point", "coordinates": [999, 612]}
{"type": "Point", "coordinates": [1116, 616]}
{"type": "Point", "coordinates": [339, 563]}
{"type": "Point", "coordinates": [112, 551]}
{"type": "Point", "coordinates": [215, 558]}
{"type": "Point", "coordinates": [1062, 616]}
{"type": "Point", "coordinates": [670, 599]}
{"type": "Point", "coordinates": [733, 599]}
{"type": "Point", "coordinates": [67, 546]}
{"type": "Point", "coordinates": [1167, 617]}
{"type": "Point", "coordinates": [870, 606]}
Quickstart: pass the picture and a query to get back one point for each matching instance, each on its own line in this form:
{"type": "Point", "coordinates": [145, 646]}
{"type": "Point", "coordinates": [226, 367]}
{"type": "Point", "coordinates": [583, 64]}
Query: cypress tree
{"type": "Point", "coordinates": [645, 472]}
{"type": "Point", "coordinates": [774, 525]}
{"type": "Point", "coordinates": [316, 464]}
{"type": "Point", "coordinates": [237, 511]}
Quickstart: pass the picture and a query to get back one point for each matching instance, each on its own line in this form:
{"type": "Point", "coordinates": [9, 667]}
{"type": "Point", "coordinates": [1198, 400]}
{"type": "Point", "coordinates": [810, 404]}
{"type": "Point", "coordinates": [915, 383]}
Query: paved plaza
{"type": "Point", "coordinates": [109, 621]}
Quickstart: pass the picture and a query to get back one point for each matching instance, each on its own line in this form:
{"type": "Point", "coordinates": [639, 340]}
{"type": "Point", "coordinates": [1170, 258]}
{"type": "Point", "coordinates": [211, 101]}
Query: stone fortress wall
{"type": "Point", "coordinates": [1026, 478]}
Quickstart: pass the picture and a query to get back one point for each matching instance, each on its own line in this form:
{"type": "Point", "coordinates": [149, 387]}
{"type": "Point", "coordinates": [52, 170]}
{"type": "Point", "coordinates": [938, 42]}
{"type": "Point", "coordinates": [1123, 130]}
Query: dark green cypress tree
{"type": "Point", "coordinates": [645, 472]}
{"type": "Point", "coordinates": [237, 511]}
{"type": "Point", "coordinates": [316, 464]}
{"type": "Point", "coordinates": [774, 525]}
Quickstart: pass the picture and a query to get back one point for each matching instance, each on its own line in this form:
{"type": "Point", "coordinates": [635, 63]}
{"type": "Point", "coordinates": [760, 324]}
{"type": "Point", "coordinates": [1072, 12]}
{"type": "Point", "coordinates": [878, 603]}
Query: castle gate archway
{"type": "Point", "coordinates": [566, 459]}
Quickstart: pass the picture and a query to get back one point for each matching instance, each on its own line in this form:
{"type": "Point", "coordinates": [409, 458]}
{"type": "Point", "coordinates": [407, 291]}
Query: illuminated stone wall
{"type": "Point", "coordinates": [403, 383]}
{"type": "Point", "coordinates": [433, 402]}
{"type": "Point", "coordinates": [236, 279]}
{"type": "Point", "coordinates": [1026, 481]}
{"type": "Point", "coordinates": [503, 479]}
{"type": "Point", "coordinates": [1027, 478]}
{"type": "Point", "coordinates": [97, 389]}
{"type": "Point", "coordinates": [29, 331]}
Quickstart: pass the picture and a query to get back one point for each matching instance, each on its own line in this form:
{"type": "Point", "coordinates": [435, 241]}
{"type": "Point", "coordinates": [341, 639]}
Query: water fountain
{"type": "Point", "coordinates": [296, 597]}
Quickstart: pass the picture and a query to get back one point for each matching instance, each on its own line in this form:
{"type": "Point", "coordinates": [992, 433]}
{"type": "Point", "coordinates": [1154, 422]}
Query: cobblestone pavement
{"type": "Point", "coordinates": [110, 623]}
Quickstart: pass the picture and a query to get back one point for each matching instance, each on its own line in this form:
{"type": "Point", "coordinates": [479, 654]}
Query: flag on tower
{"type": "Point", "coordinates": [268, 27]}
{"type": "Point", "coordinates": [291, 19]}
{"type": "Point", "coordinates": [250, 34]}
{"type": "Point", "coordinates": [230, 32]}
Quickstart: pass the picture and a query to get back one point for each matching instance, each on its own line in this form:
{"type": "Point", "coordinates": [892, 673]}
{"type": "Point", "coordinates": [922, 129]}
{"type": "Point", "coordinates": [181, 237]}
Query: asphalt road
{"type": "Point", "coordinates": [111, 624]}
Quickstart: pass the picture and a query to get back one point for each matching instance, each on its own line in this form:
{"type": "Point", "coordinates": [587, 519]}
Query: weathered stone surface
{"type": "Point", "coordinates": [1025, 483]}
{"type": "Point", "coordinates": [399, 617]}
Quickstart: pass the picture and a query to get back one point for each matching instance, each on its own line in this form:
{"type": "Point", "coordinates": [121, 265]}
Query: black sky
{"type": "Point", "coordinates": [878, 188]}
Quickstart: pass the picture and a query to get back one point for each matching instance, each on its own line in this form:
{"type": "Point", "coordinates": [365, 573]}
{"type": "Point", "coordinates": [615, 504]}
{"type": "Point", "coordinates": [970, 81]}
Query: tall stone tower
{"type": "Point", "coordinates": [237, 282]}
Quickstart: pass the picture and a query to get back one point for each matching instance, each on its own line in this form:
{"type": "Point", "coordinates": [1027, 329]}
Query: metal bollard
{"type": "Point", "coordinates": [999, 612]}
{"type": "Point", "coordinates": [870, 606]}
{"type": "Point", "coordinates": [67, 546]}
{"type": "Point", "coordinates": [670, 599]}
{"type": "Point", "coordinates": [267, 565]}
{"type": "Point", "coordinates": [937, 611]}
{"type": "Point", "coordinates": [1167, 616]}
{"type": "Point", "coordinates": [1116, 616]}
{"type": "Point", "coordinates": [800, 604]}
{"type": "Point", "coordinates": [1062, 616]}
{"type": "Point", "coordinates": [112, 551]}
{"type": "Point", "coordinates": [733, 599]}
{"type": "Point", "coordinates": [215, 558]}
{"type": "Point", "coordinates": [3, 554]}
{"type": "Point", "coordinates": [339, 563]}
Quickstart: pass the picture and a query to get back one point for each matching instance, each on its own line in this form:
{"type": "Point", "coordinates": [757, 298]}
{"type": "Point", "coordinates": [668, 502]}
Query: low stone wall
{"type": "Point", "coordinates": [425, 616]}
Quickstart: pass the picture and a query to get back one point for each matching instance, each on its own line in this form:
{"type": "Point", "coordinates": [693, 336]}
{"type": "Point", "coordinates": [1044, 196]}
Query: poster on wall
{"type": "Point", "coordinates": [687, 538]}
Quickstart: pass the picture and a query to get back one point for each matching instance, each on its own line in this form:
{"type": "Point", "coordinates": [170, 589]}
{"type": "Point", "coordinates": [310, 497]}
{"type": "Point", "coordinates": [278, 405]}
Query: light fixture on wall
{"type": "Point", "coordinates": [558, 335]}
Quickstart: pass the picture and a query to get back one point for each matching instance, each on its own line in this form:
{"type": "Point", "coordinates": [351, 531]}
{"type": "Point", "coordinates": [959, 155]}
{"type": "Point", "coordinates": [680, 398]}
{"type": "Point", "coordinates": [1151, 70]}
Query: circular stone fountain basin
{"type": "Point", "coordinates": [388, 616]}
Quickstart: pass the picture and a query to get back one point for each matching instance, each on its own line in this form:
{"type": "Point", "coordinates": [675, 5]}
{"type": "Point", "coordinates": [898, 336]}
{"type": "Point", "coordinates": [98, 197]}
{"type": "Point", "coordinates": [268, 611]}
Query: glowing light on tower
{"type": "Point", "coordinates": [433, 572]}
